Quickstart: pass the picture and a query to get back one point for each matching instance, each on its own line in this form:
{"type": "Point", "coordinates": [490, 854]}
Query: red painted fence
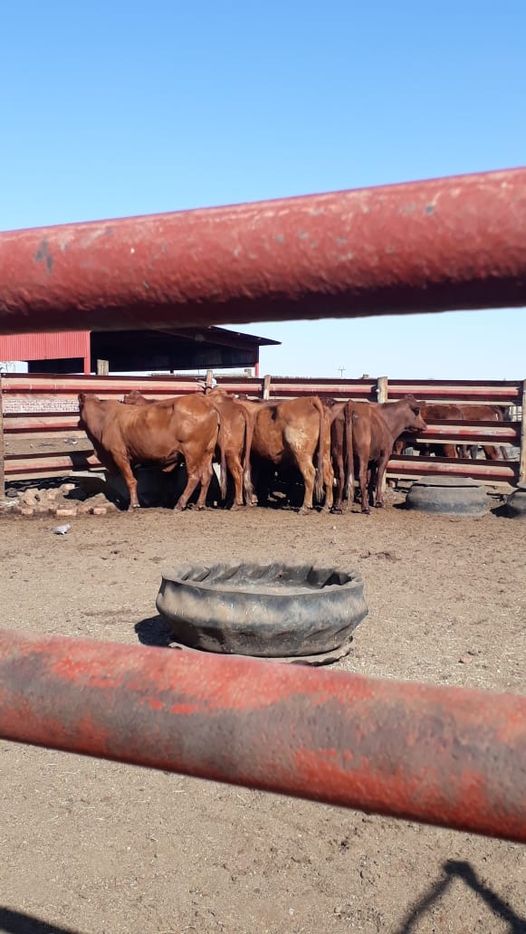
{"type": "Point", "coordinates": [42, 439]}
{"type": "Point", "coordinates": [430, 245]}
{"type": "Point", "coordinates": [409, 750]}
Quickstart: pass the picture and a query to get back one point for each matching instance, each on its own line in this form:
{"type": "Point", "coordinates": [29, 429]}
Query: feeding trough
{"type": "Point", "coordinates": [451, 496]}
{"type": "Point", "coordinates": [301, 614]}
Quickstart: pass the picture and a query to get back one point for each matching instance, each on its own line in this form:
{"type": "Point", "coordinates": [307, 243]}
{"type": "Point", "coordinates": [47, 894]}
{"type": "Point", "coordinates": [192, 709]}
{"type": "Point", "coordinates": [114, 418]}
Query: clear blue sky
{"type": "Point", "coordinates": [117, 108]}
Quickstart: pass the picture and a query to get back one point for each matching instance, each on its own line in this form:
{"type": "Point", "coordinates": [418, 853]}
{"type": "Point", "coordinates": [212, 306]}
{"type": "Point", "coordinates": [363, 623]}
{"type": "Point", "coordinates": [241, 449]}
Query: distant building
{"type": "Point", "coordinates": [134, 351]}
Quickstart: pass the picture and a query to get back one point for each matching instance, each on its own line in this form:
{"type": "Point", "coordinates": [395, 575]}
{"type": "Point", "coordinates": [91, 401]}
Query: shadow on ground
{"type": "Point", "coordinates": [457, 869]}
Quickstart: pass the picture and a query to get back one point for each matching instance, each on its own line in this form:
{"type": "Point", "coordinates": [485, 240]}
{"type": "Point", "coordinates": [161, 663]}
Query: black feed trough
{"type": "Point", "coordinates": [300, 614]}
{"type": "Point", "coordinates": [449, 496]}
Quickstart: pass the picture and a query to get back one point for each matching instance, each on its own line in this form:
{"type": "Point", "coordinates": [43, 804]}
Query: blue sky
{"type": "Point", "coordinates": [119, 108]}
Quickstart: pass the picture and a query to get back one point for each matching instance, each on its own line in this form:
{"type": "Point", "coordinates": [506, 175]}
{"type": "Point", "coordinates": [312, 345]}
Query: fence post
{"type": "Point", "coordinates": [2, 445]}
{"type": "Point", "coordinates": [522, 462]}
{"type": "Point", "coordinates": [209, 381]}
{"type": "Point", "coordinates": [382, 389]}
{"type": "Point", "coordinates": [382, 395]}
{"type": "Point", "coordinates": [265, 391]}
{"type": "Point", "coordinates": [103, 367]}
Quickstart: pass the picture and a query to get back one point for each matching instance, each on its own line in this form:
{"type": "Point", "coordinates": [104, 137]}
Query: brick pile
{"type": "Point", "coordinates": [65, 502]}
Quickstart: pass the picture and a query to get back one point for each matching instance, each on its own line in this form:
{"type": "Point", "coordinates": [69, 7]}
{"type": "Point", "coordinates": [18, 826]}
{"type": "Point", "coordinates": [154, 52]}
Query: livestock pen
{"type": "Point", "coordinates": [41, 437]}
{"type": "Point", "coordinates": [407, 750]}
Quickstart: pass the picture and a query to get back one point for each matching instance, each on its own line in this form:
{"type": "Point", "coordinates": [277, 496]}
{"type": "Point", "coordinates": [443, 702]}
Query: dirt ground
{"type": "Point", "coordinates": [102, 848]}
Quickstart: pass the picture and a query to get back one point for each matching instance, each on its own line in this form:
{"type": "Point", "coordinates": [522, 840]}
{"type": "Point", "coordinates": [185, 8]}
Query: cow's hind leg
{"type": "Point", "coordinates": [380, 473]}
{"type": "Point", "coordinates": [194, 471]}
{"type": "Point", "coordinates": [328, 483]}
{"type": "Point", "coordinates": [207, 473]}
{"type": "Point", "coordinates": [308, 473]}
{"type": "Point", "coordinates": [235, 469]}
{"type": "Point", "coordinates": [122, 462]}
{"type": "Point", "coordinates": [362, 478]}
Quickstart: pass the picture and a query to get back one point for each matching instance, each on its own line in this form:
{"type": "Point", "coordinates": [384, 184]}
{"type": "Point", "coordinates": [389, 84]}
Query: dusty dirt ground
{"type": "Point", "coordinates": [103, 848]}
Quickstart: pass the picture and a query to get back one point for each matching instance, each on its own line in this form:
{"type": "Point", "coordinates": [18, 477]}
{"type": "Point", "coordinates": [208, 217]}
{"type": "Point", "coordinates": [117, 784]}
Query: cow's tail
{"type": "Point", "coordinates": [349, 454]}
{"type": "Point", "coordinates": [221, 445]}
{"type": "Point", "coordinates": [247, 472]}
{"type": "Point", "coordinates": [322, 440]}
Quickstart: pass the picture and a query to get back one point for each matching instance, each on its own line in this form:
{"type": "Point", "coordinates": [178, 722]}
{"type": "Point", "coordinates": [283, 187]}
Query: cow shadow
{"type": "Point", "coordinates": [502, 511]}
{"type": "Point", "coordinates": [154, 631]}
{"type": "Point", "coordinates": [459, 869]}
{"type": "Point", "coordinates": [18, 922]}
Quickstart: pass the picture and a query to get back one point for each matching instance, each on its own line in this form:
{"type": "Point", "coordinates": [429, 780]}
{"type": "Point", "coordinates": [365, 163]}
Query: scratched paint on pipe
{"type": "Point", "coordinates": [424, 246]}
{"type": "Point", "coordinates": [440, 755]}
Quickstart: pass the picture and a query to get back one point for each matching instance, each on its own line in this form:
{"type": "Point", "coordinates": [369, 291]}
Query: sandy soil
{"type": "Point", "coordinates": [102, 848]}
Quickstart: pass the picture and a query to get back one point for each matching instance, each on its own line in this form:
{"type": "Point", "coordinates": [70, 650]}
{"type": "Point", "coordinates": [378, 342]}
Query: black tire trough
{"type": "Point", "coordinates": [287, 613]}
{"type": "Point", "coordinates": [450, 496]}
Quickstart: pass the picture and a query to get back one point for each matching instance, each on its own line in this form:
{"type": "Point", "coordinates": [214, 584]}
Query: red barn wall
{"type": "Point", "coordinates": [46, 346]}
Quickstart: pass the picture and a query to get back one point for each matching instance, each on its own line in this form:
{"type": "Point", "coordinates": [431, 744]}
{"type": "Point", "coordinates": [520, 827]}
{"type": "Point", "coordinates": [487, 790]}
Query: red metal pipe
{"type": "Point", "coordinates": [425, 246]}
{"type": "Point", "coordinates": [444, 756]}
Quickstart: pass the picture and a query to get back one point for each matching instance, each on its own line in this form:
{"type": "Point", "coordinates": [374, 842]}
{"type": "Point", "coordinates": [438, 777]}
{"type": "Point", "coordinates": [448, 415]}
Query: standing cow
{"type": "Point", "coordinates": [370, 433]}
{"type": "Point", "coordinates": [296, 432]}
{"type": "Point", "coordinates": [159, 433]}
{"type": "Point", "coordinates": [236, 427]}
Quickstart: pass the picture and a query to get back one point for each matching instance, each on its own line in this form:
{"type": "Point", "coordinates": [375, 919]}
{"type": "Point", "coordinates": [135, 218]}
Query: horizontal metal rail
{"type": "Point", "coordinates": [433, 245]}
{"type": "Point", "coordinates": [487, 471]}
{"type": "Point", "coordinates": [40, 410]}
{"type": "Point", "coordinates": [446, 756]}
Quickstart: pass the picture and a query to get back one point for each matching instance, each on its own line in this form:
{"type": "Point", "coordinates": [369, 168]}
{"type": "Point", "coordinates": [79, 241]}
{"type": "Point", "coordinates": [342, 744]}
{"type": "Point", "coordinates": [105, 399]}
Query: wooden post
{"type": "Point", "coordinates": [209, 381]}
{"type": "Point", "coordinates": [103, 367]}
{"type": "Point", "coordinates": [522, 462]}
{"type": "Point", "coordinates": [382, 389]}
{"type": "Point", "coordinates": [265, 392]}
{"type": "Point", "coordinates": [2, 445]}
{"type": "Point", "coordinates": [382, 396]}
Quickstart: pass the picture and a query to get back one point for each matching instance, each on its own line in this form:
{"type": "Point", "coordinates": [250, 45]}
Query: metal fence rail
{"type": "Point", "coordinates": [423, 246]}
{"type": "Point", "coordinates": [439, 755]}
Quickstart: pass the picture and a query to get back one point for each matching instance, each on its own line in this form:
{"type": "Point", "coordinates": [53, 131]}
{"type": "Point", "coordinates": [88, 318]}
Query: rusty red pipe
{"type": "Point", "coordinates": [424, 246]}
{"type": "Point", "coordinates": [446, 756]}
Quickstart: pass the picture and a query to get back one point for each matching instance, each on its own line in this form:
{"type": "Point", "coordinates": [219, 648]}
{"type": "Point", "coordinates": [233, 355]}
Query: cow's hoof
{"type": "Point", "coordinates": [337, 511]}
{"type": "Point", "coordinates": [379, 505]}
{"type": "Point", "coordinates": [136, 506]}
{"type": "Point", "coordinates": [366, 512]}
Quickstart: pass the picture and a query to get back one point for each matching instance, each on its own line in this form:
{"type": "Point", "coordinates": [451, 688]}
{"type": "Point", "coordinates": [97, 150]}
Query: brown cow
{"type": "Point", "coordinates": [160, 433]}
{"type": "Point", "coordinates": [430, 412]}
{"type": "Point", "coordinates": [295, 432]}
{"type": "Point", "coordinates": [370, 432]}
{"type": "Point", "coordinates": [484, 413]}
{"type": "Point", "coordinates": [337, 412]}
{"type": "Point", "coordinates": [457, 413]}
{"type": "Point", "coordinates": [234, 440]}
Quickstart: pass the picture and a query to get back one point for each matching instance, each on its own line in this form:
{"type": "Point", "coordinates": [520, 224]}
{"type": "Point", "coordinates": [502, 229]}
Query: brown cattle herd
{"type": "Point", "coordinates": [328, 444]}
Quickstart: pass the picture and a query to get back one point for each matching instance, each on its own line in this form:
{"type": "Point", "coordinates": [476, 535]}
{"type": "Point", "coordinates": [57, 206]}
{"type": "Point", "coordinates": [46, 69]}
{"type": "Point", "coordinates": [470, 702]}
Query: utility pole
{"type": "Point", "coordinates": [341, 371]}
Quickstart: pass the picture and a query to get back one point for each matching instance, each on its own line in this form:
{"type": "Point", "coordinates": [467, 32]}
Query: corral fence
{"type": "Point", "coordinates": [41, 437]}
{"type": "Point", "coordinates": [449, 756]}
